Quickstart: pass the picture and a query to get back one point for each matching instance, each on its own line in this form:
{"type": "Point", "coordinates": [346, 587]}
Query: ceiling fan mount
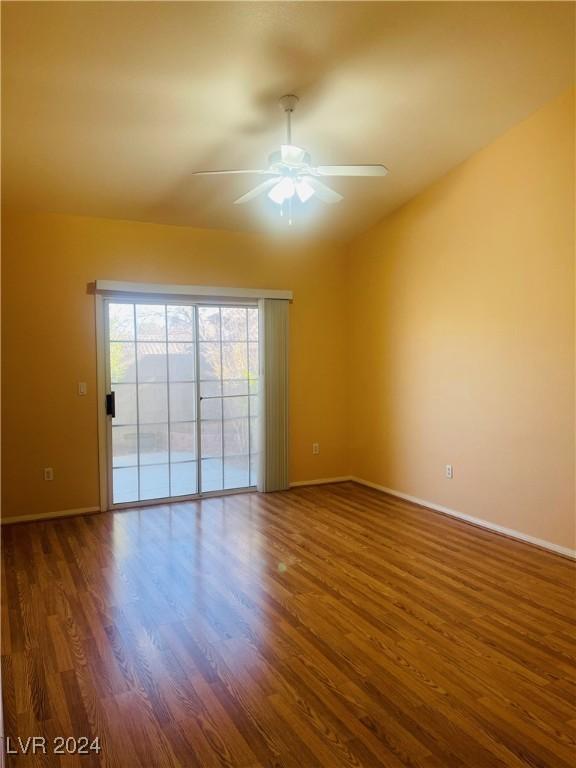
{"type": "Point", "coordinates": [288, 102]}
{"type": "Point", "coordinates": [291, 174]}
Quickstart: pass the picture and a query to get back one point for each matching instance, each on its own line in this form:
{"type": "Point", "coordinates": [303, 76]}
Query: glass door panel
{"type": "Point", "coordinates": [228, 365]}
{"type": "Point", "coordinates": [152, 374]}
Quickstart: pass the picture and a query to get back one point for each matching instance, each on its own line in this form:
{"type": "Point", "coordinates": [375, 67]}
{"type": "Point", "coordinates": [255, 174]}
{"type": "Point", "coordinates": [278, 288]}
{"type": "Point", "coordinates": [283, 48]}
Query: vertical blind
{"type": "Point", "coordinates": [273, 474]}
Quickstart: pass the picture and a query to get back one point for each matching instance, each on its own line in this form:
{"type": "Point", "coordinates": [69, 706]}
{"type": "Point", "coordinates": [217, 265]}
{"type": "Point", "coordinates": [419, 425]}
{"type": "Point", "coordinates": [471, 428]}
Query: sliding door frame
{"type": "Point", "coordinates": [140, 293]}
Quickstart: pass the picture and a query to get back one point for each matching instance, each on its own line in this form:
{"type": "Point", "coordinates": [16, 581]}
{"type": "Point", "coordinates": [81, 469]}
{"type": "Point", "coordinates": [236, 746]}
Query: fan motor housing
{"type": "Point", "coordinates": [275, 161]}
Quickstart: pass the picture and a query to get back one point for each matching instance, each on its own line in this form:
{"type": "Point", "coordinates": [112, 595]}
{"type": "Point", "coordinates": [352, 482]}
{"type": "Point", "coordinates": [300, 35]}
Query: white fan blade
{"type": "Point", "coordinates": [256, 191]}
{"type": "Point", "coordinates": [291, 154]}
{"type": "Point", "coordinates": [224, 173]}
{"type": "Point", "coordinates": [323, 192]}
{"type": "Point", "coordinates": [352, 170]}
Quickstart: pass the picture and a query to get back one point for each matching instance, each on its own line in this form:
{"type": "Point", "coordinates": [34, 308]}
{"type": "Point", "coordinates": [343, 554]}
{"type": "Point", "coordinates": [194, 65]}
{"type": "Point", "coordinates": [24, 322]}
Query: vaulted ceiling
{"type": "Point", "coordinates": [109, 107]}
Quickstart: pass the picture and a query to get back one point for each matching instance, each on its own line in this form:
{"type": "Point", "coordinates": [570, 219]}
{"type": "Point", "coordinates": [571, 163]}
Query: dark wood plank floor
{"type": "Point", "coordinates": [330, 626]}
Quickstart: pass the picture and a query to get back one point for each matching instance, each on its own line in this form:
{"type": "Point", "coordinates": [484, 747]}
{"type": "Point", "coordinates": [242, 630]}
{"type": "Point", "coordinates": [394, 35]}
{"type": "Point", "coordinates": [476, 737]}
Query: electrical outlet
{"type": "Point", "coordinates": [48, 473]}
{"type": "Point", "coordinates": [449, 471]}
{"type": "Point", "coordinates": [315, 448]}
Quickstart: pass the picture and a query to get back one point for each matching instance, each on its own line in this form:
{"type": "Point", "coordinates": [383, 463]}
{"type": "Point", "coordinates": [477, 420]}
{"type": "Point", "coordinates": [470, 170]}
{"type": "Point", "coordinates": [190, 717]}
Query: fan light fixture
{"type": "Point", "coordinates": [283, 190]}
{"type": "Point", "coordinates": [303, 190]}
{"type": "Point", "coordinates": [292, 176]}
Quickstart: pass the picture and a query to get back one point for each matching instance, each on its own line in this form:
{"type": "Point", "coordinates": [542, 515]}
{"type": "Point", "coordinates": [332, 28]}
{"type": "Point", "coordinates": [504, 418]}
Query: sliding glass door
{"type": "Point", "coordinates": [183, 399]}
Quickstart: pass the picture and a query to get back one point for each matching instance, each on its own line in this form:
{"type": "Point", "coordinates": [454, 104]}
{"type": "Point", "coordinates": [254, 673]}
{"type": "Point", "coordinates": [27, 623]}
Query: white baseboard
{"type": "Point", "coordinates": [524, 537]}
{"type": "Point", "coordinates": [49, 515]}
{"type": "Point", "coordinates": [511, 533]}
{"type": "Point", "coordinates": [321, 481]}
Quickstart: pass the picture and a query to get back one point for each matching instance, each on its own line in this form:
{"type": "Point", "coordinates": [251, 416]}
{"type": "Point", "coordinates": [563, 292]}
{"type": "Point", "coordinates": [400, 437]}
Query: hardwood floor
{"type": "Point", "coordinates": [326, 626]}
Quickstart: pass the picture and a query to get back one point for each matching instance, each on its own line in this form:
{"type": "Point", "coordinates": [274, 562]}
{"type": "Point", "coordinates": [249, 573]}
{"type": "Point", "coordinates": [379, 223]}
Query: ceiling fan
{"type": "Point", "coordinates": [291, 175]}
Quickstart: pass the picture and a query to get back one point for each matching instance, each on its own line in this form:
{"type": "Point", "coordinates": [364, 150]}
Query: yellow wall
{"type": "Point", "coordinates": [49, 340]}
{"type": "Point", "coordinates": [463, 336]}
{"type": "Point", "coordinates": [446, 333]}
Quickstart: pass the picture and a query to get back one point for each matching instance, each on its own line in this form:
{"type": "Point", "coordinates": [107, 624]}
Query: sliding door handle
{"type": "Point", "coordinates": [111, 404]}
